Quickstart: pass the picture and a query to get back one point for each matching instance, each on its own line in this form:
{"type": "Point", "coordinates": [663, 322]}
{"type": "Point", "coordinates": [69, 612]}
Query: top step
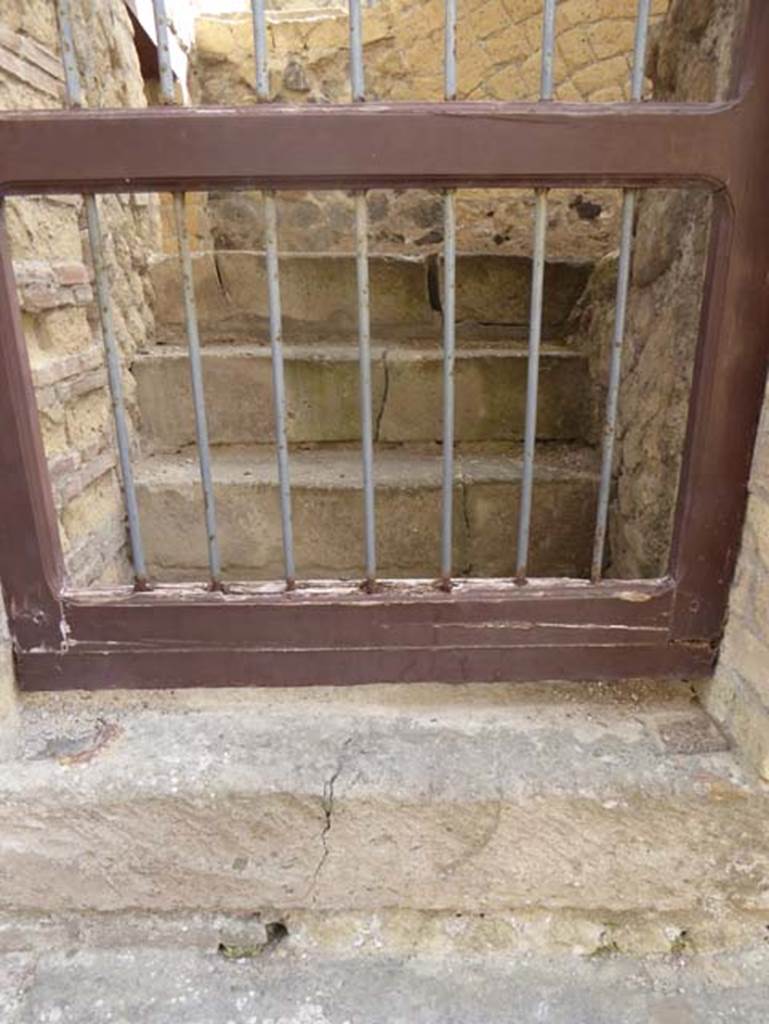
{"type": "Point", "coordinates": [319, 295]}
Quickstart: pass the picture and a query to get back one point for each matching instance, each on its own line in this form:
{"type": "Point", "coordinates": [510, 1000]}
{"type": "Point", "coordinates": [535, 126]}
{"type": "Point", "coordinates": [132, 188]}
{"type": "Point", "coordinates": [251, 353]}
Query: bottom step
{"type": "Point", "coordinates": [328, 519]}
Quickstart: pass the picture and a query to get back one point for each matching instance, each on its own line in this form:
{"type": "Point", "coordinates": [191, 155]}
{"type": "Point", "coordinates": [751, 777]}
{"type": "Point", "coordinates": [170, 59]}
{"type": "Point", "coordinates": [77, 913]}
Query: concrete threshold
{"type": "Point", "coordinates": [593, 800]}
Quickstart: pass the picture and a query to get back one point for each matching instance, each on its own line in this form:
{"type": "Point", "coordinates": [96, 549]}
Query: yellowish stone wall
{"type": "Point", "coordinates": [739, 695]}
{"type": "Point", "coordinates": [499, 49]}
{"type": "Point", "coordinates": [52, 265]}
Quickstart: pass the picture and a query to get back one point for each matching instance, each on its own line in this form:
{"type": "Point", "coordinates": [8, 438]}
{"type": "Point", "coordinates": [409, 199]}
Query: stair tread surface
{"type": "Point", "coordinates": [340, 466]}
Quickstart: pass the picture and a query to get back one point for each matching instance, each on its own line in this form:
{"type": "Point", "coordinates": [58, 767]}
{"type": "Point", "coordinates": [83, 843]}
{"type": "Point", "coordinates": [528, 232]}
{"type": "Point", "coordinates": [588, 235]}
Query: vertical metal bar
{"type": "Point", "coordinates": [364, 361]}
{"type": "Point", "coordinates": [547, 84]}
{"type": "Point", "coordinates": [615, 367]}
{"type": "Point", "coordinates": [449, 313]}
{"type": "Point", "coordinates": [164, 51]}
{"type": "Point", "coordinates": [191, 320]}
{"type": "Point", "coordinates": [358, 88]}
{"type": "Point", "coordinates": [643, 18]}
{"type": "Point", "coordinates": [115, 378]}
{"type": "Point", "coordinates": [109, 339]}
{"type": "Point", "coordinates": [73, 91]}
{"type": "Point", "coordinates": [198, 393]}
{"type": "Point", "coordinates": [547, 70]}
{"type": "Point", "coordinates": [629, 199]}
{"type": "Point", "coordinates": [449, 357]}
{"type": "Point", "coordinates": [450, 51]}
{"type": "Point", "coordinates": [259, 20]}
{"type": "Point", "coordinates": [357, 77]}
{"type": "Point", "coordinates": [278, 382]}
{"type": "Point", "coordinates": [532, 384]}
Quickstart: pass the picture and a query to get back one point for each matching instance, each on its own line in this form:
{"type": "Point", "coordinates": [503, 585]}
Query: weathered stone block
{"type": "Point", "coordinates": [562, 521]}
{"type": "Point", "coordinates": [323, 290]}
{"type": "Point", "coordinates": [490, 393]}
{"type": "Point", "coordinates": [328, 517]}
{"type": "Point", "coordinates": [210, 299]}
{"type": "Point", "coordinates": [316, 291]}
{"type": "Point", "coordinates": [327, 513]}
{"type": "Point", "coordinates": [322, 393]}
{"type": "Point", "coordinates": [497, 289]}
{"type": "Point", "coordinates": [499, 47]}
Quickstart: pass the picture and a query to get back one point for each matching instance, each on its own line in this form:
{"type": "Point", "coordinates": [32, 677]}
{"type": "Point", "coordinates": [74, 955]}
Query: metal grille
{"type": "Point", "coordinates": [448, 628]}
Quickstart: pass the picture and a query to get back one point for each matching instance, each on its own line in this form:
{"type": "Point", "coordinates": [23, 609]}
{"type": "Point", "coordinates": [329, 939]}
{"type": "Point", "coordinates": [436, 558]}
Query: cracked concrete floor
{"type": "Point", "coordinates": [171, 986]}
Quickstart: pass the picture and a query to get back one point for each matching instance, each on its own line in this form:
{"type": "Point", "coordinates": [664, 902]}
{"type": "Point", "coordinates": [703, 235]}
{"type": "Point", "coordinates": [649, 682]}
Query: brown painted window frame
{"type": "Point", "coordinates": [181, 636]}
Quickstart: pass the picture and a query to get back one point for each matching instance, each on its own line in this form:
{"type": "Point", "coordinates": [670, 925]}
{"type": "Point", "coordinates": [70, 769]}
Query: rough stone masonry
{"type": "Point", "coordinates": [499, 46]}
{"type": "Point", "coordinates": [52, 264]}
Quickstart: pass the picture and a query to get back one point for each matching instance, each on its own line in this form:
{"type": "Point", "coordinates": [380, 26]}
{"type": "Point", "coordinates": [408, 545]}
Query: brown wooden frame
{"type": "Point", "coordinates": [182, 636]}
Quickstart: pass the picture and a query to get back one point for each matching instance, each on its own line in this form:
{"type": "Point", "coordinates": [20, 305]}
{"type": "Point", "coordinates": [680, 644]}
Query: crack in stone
{"type": "Point", "coordinates": [385, 393]}
{"type": "Point", "coordinates": [220, 279]}
{"type": "Point", "coordinates": [327, 802]}
{"type": "Point", "coordinates": [467, 569]}
{"type": "Point", "coordinates": [433, 283]}
{"type": "Point", "coordinates": [328, 810]}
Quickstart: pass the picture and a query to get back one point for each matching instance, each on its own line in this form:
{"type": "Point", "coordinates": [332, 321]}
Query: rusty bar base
{"type": "Point", "coordinates": [333, 635]}
{"type": "Point", "coordinates": [120, 667]}
{"type": "Point", "coordinates": [331, 615]}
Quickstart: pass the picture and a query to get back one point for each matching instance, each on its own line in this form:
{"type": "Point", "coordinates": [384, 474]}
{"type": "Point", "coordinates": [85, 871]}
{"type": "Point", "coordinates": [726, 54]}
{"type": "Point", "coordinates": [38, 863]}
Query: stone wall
{"type": "Point", "coordinates": [498, 58]}
{"type": "Point", "coordinates": [690, 60]}
{"type": "Point", "coordinates": [52, 264]}
{"type": "Point", "coordinates": [738, 696]}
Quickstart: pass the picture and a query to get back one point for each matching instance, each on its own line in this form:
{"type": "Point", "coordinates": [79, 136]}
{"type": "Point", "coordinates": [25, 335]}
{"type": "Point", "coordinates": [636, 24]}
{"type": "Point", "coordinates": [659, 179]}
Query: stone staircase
{"type": "Point", "coordinates": [319, 305]}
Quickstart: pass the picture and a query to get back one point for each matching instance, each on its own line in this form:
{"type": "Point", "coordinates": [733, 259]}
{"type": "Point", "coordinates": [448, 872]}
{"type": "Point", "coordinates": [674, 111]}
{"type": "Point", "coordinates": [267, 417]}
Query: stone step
{"type": "Point", "coordinates": [596, 818]}
{"type": "Point", "coordinates": [323, 400]}
{"type": "Point", "coordinates": [319, 295]}
{"type": "Point", "coordinates": [327, 512]}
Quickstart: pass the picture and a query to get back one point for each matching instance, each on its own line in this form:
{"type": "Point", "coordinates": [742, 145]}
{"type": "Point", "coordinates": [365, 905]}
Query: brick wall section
{"type": "Point", "coordinates": [498, 58]}
{"type": "Point", "coordinates": [52, 264]}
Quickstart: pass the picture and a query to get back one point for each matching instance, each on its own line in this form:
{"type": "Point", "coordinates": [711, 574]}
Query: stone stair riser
{"type": "Point", "coordinates": [323, 397]}
{"type": "Point", "coordinates": [320, 292]}
{"type": "Point", "coordinates": [328, 525]}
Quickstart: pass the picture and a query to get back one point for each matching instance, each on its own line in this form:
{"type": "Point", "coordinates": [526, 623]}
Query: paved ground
{"type": "Point", "coordinates": [192, 987]}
